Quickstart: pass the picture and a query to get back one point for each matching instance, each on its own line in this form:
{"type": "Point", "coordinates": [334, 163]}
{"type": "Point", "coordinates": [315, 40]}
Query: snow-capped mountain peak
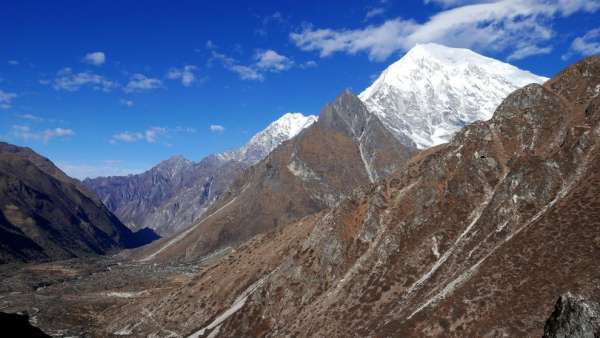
{"type": "Point", "coordinates": [434, 90]}
{"type": "Point", "coordinates": [261, 144]}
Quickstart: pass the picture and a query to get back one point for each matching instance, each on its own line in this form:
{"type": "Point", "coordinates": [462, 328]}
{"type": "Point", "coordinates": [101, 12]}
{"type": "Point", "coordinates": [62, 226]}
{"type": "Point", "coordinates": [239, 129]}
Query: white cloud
{"type": "Point", "coordinates": [140, 82]}
{"type": "Point", "coordinates": [265, 61]}
{"type": "Point", "coordinates": [13, 62]}
{"type": "Point", "coordinates": [308, 64]}
{"type": "Point", "coordinates": [378, 41]}
{"type": "Point", "coordinates": [6, 99]}
{"type": "Point", "coordinates": [210, 45]}
{"type": "Point", "coordinates": [450, 3]}
{"type": "Point", "coordinates": [128, 103]}
{"type": "Point", "coordinates": [266, 21]}
{"type": "Point", "coordinates": [99, 168]}
{"type": "Point", "coordinates": [244, 72]}
{"type": "Point", "coordinates": [27, 133]}
{"type": "Point", "coordinates": [126, 136]}
{"type": "Point", "coordinates": [374, 12]}
{"type": "Point", "coordinates": [153, 133]}
{"type": "Point", "coordinates": [586, 45]}
{"type": "Point", "coordinates": [217, 128]}
{"type": "Point", "coordinates": [526, 51]}
{"type": "Point", "coordinates": [270, 60]}
{"type": "Point", "coordinates": [95, 58]}
{"type": "Point", "coordinates": [517, 26]}
{"type": "Point", "coordinates": [69, 81]}
{"type": "Point", "coordinates": [31, 117]}
{"type": "Point", "coordinates": [186, 74]}
{"type": "Point", "coordinates": [150, 135]}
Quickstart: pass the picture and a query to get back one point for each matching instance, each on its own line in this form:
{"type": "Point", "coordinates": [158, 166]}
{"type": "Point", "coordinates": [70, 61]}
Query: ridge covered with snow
{"type": "Point", "coordinates": [261, 144]}
{"type": "Point", "coordinates": [433, 91]}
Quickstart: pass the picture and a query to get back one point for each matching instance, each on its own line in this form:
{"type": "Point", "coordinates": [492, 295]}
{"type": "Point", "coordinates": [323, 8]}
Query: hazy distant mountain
{"type": "Point", "coordinates": [433, 91]}
{"type": "Point", "coordinates": [44, 214]}
{"type": "Point", "coordinates": [177, 191]}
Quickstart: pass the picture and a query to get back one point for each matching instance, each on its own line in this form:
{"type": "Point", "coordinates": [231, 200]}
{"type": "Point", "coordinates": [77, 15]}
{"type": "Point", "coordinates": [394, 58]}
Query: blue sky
{"type": "Point", "coordinates": [113, 87]}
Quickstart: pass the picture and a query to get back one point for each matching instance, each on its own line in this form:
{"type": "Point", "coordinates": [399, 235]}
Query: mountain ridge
{"type": "Point", "coordinates": [177, 191]}
{"type": "Point", "coordinates": [46, 215]}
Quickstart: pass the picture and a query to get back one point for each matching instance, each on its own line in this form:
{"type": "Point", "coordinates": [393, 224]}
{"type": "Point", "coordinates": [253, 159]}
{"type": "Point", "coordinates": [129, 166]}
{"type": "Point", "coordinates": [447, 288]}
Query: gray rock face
{"type": "Point", "coordinates": [169, 196]}
{"type": "Point", "coordinates": [573, 317]}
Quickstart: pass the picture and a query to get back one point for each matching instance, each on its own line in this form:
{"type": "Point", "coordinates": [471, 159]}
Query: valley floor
{"type": "Point", "coordinates": [69, 298]}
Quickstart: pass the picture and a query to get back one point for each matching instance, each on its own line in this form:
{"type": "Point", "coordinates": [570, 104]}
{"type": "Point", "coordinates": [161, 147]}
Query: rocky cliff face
{"type": "Point", "coordinates": [176, 192]}
{"type": "Point", "coordinates": [347, 147]}
{"type": "Point", "coordinates": [473, 238]}
{"type": "Point", "coordinates": [573, 317]}
{"type": "Point", "coordinates": [44, 214]}
{"type": "Point", "coordinates": [169, 196]}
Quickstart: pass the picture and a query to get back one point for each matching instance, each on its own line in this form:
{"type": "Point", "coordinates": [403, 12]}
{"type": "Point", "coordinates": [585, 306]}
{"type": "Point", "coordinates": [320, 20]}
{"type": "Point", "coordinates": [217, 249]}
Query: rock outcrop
{"type": "Point", "coordinates": [573, 317]}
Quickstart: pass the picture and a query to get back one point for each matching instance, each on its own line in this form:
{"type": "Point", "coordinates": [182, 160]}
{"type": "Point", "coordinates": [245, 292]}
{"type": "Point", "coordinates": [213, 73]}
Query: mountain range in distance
{"type": "Point", "coordinates": [433, 90]}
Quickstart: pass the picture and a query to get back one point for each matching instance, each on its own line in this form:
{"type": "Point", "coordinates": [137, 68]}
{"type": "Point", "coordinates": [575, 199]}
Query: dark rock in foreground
{"type": "Point", "coordinates": [17, 325]}
{"type": "Point", "coordinates": [573, 317]}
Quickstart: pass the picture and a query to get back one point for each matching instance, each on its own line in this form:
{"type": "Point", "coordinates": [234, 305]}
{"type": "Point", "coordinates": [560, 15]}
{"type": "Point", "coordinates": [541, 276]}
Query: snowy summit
{"type": "Point", "coordinates": [261, 144]}
{"type": "Point", "coordinates": [433, 91]}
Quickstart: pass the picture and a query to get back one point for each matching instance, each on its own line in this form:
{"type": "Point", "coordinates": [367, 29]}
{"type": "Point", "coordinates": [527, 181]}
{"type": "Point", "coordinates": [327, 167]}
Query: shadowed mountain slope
{"type": "Point", "coordinates": [44, 214]}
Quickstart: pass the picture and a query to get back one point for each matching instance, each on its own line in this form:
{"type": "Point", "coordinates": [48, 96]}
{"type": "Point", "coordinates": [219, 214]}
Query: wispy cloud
{"type": "Point", "coordinates": [31, 117]}
{"type": "Point", "coordinates": [128, 103]}
{"type": "Point", "coordinates": [450, 3]}
{"type": "Point", "coordinates": [526, 51]}
{"type": "Point", "coordinates": [67, 80]}
{"type": "Point", "coordinates": [308, 64]}
{"type": "Point", "coordinates": [523, 28]}
{"type": "Point", "coordinates": [6, 99]}
{"type": "Point", "coordinates": [186, 74]}
{"type": "Point", "coordinates": [270, 60]}
{"type": "Point", "coordinates": [140, 82]}
{"type": "Point", "coordinates": [13, 62]}
{"type": "Point", "coordinates": [374, 12]}
{"type": "Point", "coordinates": [150, 135]}
{"type": "Point", "coordinates": [273, 19]}
{"type": "Point", "coordinates": [244, 72]}
{"type": "Point", "coordinates": [26, 133]}
{"type": "Point", "coordinates": [216, 128]}
{"type": "Point", "coordinates": [586, 45]}
{"type": "Point", "coordinates": [94, 58]}
{"type": "Point", "coordinates": [264, 61]}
